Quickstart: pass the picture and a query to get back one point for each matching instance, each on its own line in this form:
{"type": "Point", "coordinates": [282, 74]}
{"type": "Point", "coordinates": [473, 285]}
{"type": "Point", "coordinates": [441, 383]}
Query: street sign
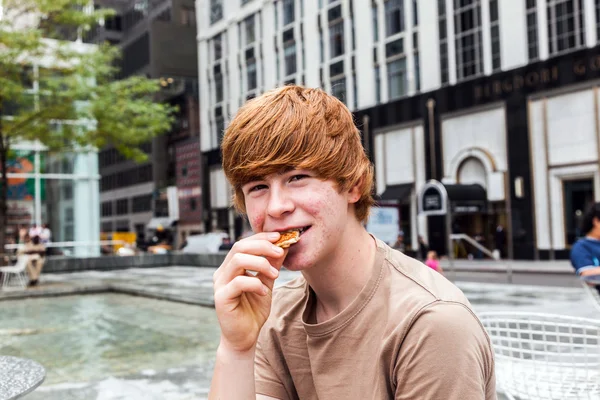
{"type": "Point", "coordinates": [433, 199]}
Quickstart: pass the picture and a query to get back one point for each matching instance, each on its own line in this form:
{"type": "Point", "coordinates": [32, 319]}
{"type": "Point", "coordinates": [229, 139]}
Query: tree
{"type": "Point", "coordinates": [64, 94]}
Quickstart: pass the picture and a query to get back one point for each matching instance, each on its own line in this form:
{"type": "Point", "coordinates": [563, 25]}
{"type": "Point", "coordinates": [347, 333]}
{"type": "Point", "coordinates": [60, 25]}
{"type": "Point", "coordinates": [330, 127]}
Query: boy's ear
{"type": "Point", "coordinates": [355, 191]}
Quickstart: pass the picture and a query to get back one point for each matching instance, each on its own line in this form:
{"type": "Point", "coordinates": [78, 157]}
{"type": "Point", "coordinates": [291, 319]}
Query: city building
{"type": "Point", "coordinates": [497, 94]}
{"type": "Point", "coordinates": [157, 39]}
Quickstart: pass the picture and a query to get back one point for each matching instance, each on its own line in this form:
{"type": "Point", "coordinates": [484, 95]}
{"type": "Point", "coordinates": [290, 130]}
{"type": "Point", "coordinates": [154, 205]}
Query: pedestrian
{"type": "Point", "coordinates": [399, 245]}
{"type": "Point", "coordinates": [36, 252]}
{"type": "Point", "coordinates": [433, 262]}
{"type": "Point", "coordinates": [423, 248]}
{"type": "Point", "coordinates": [500, 239]}
{"type": "Point", "coordinates": [585, 253]}
{"type": "Point", "coordinates": [295, 161]}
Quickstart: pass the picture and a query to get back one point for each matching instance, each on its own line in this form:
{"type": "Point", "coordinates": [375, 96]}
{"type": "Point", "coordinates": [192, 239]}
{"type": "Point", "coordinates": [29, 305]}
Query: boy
{"type": "Point", "coordinates": [363, 321]}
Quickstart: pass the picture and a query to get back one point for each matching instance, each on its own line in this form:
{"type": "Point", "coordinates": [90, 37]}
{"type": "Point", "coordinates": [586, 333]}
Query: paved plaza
{"type": "Point", "coordinates": [110, 345]}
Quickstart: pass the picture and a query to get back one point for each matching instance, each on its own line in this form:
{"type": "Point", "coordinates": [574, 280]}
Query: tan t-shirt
{"type": "Point", "coordinates": [410, 334]}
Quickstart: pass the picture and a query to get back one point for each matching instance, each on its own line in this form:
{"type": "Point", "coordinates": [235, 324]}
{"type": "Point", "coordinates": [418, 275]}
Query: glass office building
{"type": "Point", "coordinates": [60, 189]}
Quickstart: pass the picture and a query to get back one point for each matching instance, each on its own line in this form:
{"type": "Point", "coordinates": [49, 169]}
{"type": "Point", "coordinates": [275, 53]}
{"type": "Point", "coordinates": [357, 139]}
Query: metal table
{"type": "Point", "coordinates": [19, 376]}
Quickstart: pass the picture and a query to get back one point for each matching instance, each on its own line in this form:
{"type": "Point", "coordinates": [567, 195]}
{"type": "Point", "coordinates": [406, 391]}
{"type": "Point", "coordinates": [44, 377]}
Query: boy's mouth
{"type": "Point", "coordinates": [304, 229]}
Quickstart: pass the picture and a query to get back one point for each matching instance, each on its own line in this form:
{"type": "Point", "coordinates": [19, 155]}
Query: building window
{"type": "Point", "coordinates": [532, 30]}
{"type": "Point", "coordinates": [217, 48]}
{"type": "Point", "coordinates": [415, 11]}
{"type": "Point", "coordinates": [336, 39]}
{"type": "Point", "coordinates": [216, 10]}
{"type": "Point", "coordinates": [321, 46]}
{"type": "Point", "coordinates": [377, 84]}
{"type": "Point", "coordinates": [417, 72]}
{"type": "Point", "coordinates": [467, 28]}
{"type": "Point", "coordinates": [68, 192]}
{"type": "Point", "coordinates": [598, 20]}
{"type": "Point", "coordinates": [397, 84]}
{"type": "Point", "coordinates": [566, 28]}
{"type": "Point", "coordinates": [250, 30]}
{"type": "Point", "coordinates": [218, 87]}
{"type": "Point", "coordinates": [188, 16]}
{"type": "Point", "coordinates": [184, 171]}
{"type": "Point", "coordinates": [251, 74]}
{"type": "Point", "coordinates": [141, 203]}
{"type": "Point", "coordinates": [288, 12]}
{"type": "Point", "coordinates": [219, 123]}
{"type": "Point", "coordinates": [394, 17]}
{"type": "Point", "coordinates": [193, 204]}
{"type": "Point", "coordinates": [107, 226]}
{"type": "Point", "coordinates": [289, 51]}
{"type": "Point", "coordinates": [122, 206]}
{"type": "Point", "coordinates": [338, 88]}
{"type": "Point", "coordinates": [495, 34]}
{"type": "Point", "coordinates": [443, 33]}
{"type": "Point", "coordinates": [106, 209]}
{"type": "Point", "coordinates": [374, 11]}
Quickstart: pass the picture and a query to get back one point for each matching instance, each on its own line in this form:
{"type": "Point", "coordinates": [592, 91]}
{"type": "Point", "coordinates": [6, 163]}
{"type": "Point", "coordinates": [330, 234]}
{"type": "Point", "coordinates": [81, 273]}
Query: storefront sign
{"type": "Point", "coordinates": [516, 83]}
{"type": "Point", "coordinates": [433, 199]}
{"type": "Point", "coordinates": [533, 79]}
{"type": "Point", "coordinates": [468, 209]}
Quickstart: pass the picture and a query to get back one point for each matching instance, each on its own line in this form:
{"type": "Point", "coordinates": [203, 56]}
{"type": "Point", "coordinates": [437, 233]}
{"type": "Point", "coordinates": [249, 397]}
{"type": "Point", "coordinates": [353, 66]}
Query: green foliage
{"type": "Point", "coordinates": [63, 93]}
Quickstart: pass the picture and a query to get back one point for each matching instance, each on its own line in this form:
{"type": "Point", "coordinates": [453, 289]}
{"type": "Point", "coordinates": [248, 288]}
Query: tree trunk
{"type": "Point", "coordinates": [3, 188]}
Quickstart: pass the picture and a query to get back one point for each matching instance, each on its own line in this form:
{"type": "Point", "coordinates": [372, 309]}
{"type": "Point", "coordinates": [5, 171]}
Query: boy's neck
{"type": "Point", "coordinates": [342, 277]}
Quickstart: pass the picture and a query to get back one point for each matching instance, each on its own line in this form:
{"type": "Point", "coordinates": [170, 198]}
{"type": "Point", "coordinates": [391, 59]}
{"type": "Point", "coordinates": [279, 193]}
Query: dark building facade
{"type": "Point", "coordinates": [539, 107]}
{"type": "Point", "coordinates": [157, 39]}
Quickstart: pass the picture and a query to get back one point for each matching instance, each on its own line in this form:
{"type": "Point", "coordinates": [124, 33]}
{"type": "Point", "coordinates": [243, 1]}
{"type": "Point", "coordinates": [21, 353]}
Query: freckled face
{"type": "Point", "coordinates": [299, 199]}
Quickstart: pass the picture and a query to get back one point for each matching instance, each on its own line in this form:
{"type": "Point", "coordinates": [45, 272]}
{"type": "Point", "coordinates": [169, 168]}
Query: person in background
{"type": "Point", "coordinates": [226, 245]}
{"type": "Point", "coordinates": [423, 248]}
{"type": "Point", "coordinates": [183, 240]}
{"type": "Point", "coordinates": [500, 239]}
{"type": "Point", "coordinates": [585, 253]}
{"type": "Point", "coordinates": [399, 245]}
{"type": "Point", "coordinates": [46, 234]}
{"type": "Point", "coordinates": [36, 252]}
{"type": "Point", "coordinates": [433, 262]}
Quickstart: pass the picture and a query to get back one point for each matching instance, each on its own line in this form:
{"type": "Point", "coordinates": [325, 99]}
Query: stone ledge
{"type": "Point", "coordinates": [60, 264]}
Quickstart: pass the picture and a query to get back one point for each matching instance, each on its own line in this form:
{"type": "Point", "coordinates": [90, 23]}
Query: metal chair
{"type": "Point", "coordinates": [17, 272]}
{"type": "Point", "coordinates": [592, 292]}
{"type": "Point", "coordinates": [545, 356]}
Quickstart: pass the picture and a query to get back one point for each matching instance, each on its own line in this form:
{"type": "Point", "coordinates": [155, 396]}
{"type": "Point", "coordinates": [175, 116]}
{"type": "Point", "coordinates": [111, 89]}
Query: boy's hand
{"type": "Point", "coordinates": [242, 300]}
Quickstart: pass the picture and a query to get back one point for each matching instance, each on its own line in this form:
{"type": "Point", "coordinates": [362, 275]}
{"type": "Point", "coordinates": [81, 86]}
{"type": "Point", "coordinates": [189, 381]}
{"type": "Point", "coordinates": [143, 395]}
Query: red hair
{"type": "Point", "coordinates": [301, 128]}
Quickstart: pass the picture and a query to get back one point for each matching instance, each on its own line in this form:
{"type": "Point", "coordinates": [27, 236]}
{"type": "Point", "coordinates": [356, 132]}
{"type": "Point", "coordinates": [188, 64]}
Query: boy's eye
{"type": "Point", "coordinates": [257, 187]}
{"type": "Point", "coordinates": [298, 177]}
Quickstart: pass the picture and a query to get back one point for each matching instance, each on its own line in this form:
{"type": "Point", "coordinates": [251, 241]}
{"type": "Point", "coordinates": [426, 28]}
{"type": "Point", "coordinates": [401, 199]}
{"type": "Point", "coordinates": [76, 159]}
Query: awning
{"type": "Point", "coordinates": [396, 192]}
{"type": "Point", "coordinates": [165, 222]}
{"type": "Point", "coordinates": [460, 193]}
{"type": "Point", "coordinates": [467, 199]}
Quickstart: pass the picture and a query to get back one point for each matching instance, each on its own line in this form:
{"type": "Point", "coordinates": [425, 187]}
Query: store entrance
{"type": "Point", "coordinates": [487, 228]}
{"type": "Point", "coordinates": [578, 197]}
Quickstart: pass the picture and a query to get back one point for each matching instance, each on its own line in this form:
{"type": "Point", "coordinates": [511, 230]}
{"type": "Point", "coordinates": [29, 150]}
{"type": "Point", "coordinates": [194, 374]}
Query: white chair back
{"type": "Point", "coordinates": [545, 356]}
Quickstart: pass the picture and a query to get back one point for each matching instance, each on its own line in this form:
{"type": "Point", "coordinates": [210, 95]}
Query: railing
{"type": "Point", "coordinates": [484, 250]}
{"type": "Point", "coordinates": [71, 244]}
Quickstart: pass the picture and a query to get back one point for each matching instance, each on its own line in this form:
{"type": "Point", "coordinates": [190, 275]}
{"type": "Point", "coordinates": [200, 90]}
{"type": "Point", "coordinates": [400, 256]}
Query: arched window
{"type": "Point", "coordinates": [471, 171]}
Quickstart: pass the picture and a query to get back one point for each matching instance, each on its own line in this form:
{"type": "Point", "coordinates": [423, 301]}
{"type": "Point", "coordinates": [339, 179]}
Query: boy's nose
{"type": "Point", "coordinates": [280, 203]}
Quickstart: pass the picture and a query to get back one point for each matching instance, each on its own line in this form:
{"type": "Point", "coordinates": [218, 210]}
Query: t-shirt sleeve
{"type": "Point", "coordinates": [582, 258]}
{"type": "Point", "coordinates": [446, 355]}
{"type": "Point", "coordinates": [266, 380]}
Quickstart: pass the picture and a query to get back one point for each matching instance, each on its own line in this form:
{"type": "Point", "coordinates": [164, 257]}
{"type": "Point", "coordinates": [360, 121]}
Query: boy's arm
{"type": "Point", "coordinates": [446, 354]}
{"type": "Point", "coordinates": [583, 261]}
{"type": "Point", "coordinates": [233, 376]}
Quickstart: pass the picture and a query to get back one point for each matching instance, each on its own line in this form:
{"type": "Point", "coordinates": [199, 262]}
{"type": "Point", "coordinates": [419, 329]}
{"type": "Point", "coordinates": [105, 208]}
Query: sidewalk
{"type": "Point", "coordinates": [517, 266]}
